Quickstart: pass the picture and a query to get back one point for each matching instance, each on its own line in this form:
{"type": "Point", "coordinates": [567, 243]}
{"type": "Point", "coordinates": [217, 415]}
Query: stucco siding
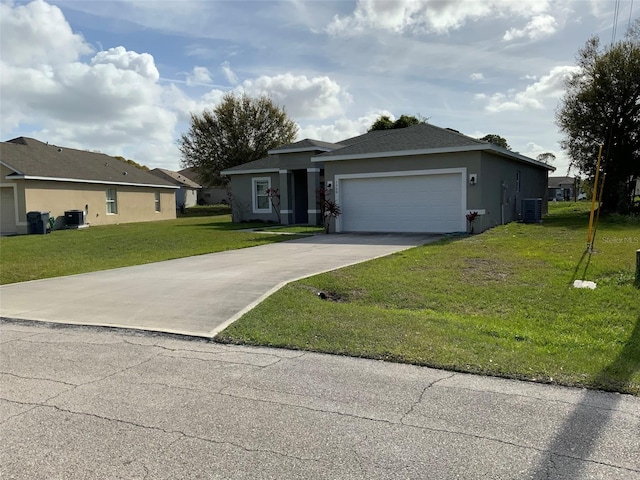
{"type": "Point", "coordinates": [295, 161]}
{"type": "Point", "coordinates": [134, 204]}
{"type": "Point", "coordinates": [468, 162]}
{"type": "Point", "coordinates": [242, 202]}
{"type": "Point", "coordinates": [15, 222]}
{"type": "Point", "coordinates": [499, 185]}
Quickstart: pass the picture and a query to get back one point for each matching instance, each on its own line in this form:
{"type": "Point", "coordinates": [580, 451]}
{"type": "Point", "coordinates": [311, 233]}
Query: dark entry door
{"type": "Point", "coordinates": [300, 204]}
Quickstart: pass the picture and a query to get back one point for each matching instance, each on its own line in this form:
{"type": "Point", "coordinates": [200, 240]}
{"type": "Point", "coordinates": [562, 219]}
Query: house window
{"type": "Point", "coordinates": [518, 181]}
{"type": "Point", "coordinates": [112, 201]}
{"type": "Point", "coordinates": [157, 201]}
{"type": "Point", "coordinates": [261, 186]}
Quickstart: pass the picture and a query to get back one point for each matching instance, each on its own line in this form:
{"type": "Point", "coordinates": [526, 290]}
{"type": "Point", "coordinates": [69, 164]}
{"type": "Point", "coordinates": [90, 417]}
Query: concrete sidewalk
{"type": "Point", "coordinates": [83, 402]}
{"type": "Point", "coordinates": [196, 295]}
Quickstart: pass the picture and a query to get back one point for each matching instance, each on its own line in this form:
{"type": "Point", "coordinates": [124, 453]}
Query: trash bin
{"type": "Point", "coordinates": [38, 222]}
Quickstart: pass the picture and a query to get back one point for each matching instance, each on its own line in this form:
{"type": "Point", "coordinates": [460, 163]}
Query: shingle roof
{"type": "Point", "coordinates": [417, 137]}
{"type": "Point", "coordinates": [422, 138]}
{"type": "Point", "coordinates": [557, 182]}
{"type": "Point", "coordinates": [270, 163]}
{"type": "Point", "coordinates": [28, 157]}
{"type": "Point", "coordinates": [174, 177]}
{"type": "Point", "coordinates": [307, 144]}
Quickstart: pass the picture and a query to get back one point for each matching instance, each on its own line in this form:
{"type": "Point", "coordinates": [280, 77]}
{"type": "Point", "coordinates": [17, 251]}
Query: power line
{"type": "Point", "coordinates": [630, 10]}
{"type": "Point", "coordinates": [616, 12]}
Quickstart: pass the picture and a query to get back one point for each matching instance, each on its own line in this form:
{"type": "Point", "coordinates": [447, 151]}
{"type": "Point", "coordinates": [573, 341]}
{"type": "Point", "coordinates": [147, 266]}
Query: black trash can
{"type": "Point", "coordinates": [38, 222]}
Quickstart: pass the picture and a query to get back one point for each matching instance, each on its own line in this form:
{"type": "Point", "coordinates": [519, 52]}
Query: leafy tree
{"type": "Point", "coordinates": [602, 106]}
{"type": "Point", "coordinates": [385, 123]}
{"type": "Point", "coordinates": [496, 140]}
{"type": "Point", "coordinates": [382, 123]}
{"type": "Point", "coordinates": [240, 129]}
{"type": "Point", "coordinates": [546, 157]}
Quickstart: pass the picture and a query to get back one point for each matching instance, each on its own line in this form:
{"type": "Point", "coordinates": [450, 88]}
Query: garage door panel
{"type": "Point", "coordinates": [418, 203]}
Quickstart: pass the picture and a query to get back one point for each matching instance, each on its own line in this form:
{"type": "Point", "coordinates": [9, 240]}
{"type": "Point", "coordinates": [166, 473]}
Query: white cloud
{"type": "Point", "coordinates": [549, 87]}
{"type": "Point", "coordinates": [38, 33]}
{"type": "Point", "coordinates": [438, 16]}
{"type": "Point", "coordinates": [342, 128]}
{"type": "Point", "coordinates": [232, 78]}
{"type": "Point", "coordinates": [141, 63]}
{"type": "Point", "coordinates": [538, 27]}
{"type": "Point", "coordinates": [476, 76]}
{"type": "Point", "coordinates": [314, 98]}
{"type": "Point", "coordinates": [199, 76]}
{"type": "Point", "coordinates": [112, 102]}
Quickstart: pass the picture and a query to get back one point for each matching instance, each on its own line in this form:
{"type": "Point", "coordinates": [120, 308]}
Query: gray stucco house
{"type": "Point", "coordinates": [417, 179]}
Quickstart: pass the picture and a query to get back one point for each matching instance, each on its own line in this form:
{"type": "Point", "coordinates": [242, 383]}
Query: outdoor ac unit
{"type": "Point", "coordinates": [532, 210]}
{"type": "Point", "coordinates": [74, 218]}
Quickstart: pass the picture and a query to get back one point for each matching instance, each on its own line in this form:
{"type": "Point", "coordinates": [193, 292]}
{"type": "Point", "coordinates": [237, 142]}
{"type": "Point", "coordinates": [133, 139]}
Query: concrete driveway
{"type": "Point", "coordinates": [83, 402]}
{"type": "Point", "coordinates": [197, 296]}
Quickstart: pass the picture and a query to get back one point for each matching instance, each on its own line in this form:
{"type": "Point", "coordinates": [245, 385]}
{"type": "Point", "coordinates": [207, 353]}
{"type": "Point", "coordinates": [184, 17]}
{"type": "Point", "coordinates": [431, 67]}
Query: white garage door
{"type": "Point", "coordinates": [412, 203]}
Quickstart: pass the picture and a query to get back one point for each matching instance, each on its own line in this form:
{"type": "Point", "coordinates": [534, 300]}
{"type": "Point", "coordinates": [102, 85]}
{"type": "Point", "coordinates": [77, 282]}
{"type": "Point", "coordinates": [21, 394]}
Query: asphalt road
{"type": "Point", "coordinates": [87, 402]}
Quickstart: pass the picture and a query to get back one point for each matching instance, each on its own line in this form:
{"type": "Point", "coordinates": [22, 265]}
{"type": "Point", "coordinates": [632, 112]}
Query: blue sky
{"type": "Point", "coordinates": [122, 77]}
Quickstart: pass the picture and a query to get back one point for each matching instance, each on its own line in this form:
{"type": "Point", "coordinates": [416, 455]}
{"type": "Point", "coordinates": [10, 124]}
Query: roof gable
{"type": "Point", "coordinates": [418, 137]}
{"type": "Point", "coordinates": [30, 158]}
{"type": "Point", "coordinates": [306, 145]}
{"type": "Point", "coordinates": [174, 177]}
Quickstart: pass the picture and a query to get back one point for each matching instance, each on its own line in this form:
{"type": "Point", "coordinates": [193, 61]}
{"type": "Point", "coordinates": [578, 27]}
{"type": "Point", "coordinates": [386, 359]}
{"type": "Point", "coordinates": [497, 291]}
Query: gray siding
{"type": "Point", "coordinates": [242, 201]}
{"type": "Point", "coordinates": [296, 161]}
{"type": "Point", "coordinates": [467, 160]}
{"type": "Point", "coordinates": [493, 171]}
{"type": "Point", "coordinates": [498, 182]}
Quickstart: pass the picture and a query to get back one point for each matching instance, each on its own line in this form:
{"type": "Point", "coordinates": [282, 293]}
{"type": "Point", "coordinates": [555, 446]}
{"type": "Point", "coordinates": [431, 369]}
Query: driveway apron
{"type": "Point", "coordinates": [196, 296]}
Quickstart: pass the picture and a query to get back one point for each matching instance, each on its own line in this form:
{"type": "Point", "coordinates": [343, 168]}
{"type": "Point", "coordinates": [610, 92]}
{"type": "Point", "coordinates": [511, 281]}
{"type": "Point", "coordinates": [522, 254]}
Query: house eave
{"type": "Point", "coordinates": [433, 151]}
{"type": "Point", "coordinates": [10, 167]}
{"type": "Point", "coordinates": [299, 150]}
{"type": "Point", "coordinates": [78, 180]}
{"type": "Point", "coordinates": [251, 171]}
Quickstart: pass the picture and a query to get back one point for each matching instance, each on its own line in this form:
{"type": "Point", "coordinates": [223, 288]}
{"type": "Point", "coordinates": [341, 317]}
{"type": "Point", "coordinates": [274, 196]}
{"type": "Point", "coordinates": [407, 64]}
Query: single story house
{"type": "Point", "coordinates": [36, 176]}
{"type": "Point", "coordinates": [187, 193]}
{"type": "Point", "coordinates": [563, 188]}
{"type": "Point", "coordinates": [207, 195]}
{"type": "Point", "coordinates": [416, 179]}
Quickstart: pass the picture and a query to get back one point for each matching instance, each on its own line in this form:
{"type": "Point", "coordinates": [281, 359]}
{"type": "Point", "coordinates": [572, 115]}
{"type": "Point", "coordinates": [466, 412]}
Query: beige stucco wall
{"type": "Point", "coordinates": [135, 204]}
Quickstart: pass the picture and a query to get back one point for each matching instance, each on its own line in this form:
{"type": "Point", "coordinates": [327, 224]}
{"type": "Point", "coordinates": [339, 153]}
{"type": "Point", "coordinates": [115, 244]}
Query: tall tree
{"type": "Point", "coordinates": [602, 106]}
{"type": "Point", "coordinates": [240, 129]}
{"type": "Point", "coordinates": [496, 140]}
{"type": "Point", "coordinates": [546, 157]}
{"type": "Point", "coordinates": [385, 123]}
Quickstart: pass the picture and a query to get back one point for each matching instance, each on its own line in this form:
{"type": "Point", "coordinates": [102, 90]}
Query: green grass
{"type": "Point", "coordinates": [499, 303]}
{"type": "Point", "coordinates": [67, 252]}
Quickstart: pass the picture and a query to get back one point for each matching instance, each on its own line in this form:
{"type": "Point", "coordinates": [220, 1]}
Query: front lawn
{"type": "Point", "coordinates": [66, 252]}
{"type": "Point", "coordinates": [499, 303]}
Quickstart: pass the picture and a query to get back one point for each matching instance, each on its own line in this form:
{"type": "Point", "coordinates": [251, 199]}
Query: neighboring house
{"type": "Point", "coordinates": [36, 176]}
{"type": "Point", "coordinates": [417, 179]}
{"type": "Point", "coordinates": [187, 193]}
{"type": "Point", "coordinates": [207, 195]}
{"type": "Point", "coordinates": [563, 188]}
